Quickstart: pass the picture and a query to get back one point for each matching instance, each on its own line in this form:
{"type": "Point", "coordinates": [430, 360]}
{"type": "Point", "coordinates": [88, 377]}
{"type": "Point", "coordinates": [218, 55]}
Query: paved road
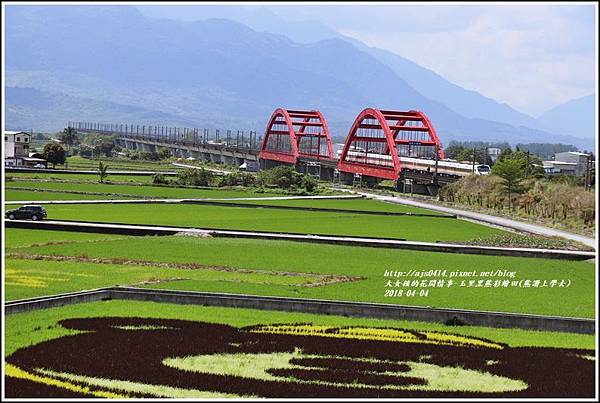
{"type": "Point", "coordinates": [217, 171]}
{"type": "Point", "coordinates": [486, 218]}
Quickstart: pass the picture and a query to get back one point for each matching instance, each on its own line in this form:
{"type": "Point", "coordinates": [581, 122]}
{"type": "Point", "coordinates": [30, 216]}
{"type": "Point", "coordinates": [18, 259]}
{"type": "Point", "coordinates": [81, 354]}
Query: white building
{"type": "Point", "coordinates": [16, 147]}
{"type": "Point", "coordinates": [494, 153]}
{"type": "Point", "coordinates": [568, 163]}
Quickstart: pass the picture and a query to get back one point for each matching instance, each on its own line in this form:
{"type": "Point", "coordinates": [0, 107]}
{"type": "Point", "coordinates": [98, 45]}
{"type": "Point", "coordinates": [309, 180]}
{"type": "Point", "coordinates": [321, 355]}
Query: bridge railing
{"type": "Point", "coordinates": [231, 139]}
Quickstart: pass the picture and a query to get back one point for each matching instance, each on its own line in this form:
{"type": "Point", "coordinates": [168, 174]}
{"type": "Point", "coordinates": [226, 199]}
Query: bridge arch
{"type": "Point", "coordinates": [378, 139]}
{"type": "Point", "coordinates": [296, 133]}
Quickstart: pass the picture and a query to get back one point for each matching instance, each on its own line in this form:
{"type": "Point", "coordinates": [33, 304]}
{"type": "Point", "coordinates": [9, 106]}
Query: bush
{"type": "Point", "coordinates": [160, 179]}
{"type": "Point", "coordinates": [164, 153]}
{"type": "Point", "coordinates": [195, 177]}
{"type": "Point", "coordinates": [238, 179]}
{"type": "Point", "coordinates": [542, 198]}
{"type": "Point", "coordinates": [85, 150]}
{"type": "Point", "coordinates": [282, 176]}
{"type": "Point", "coordinates": [286, 178]}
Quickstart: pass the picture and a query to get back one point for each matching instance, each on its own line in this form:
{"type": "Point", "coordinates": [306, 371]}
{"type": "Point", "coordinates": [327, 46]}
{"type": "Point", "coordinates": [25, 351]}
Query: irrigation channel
{"type": "Point", "coordinates": [141, 230]}
{"type": "Point", "coordinates": [314, 306]}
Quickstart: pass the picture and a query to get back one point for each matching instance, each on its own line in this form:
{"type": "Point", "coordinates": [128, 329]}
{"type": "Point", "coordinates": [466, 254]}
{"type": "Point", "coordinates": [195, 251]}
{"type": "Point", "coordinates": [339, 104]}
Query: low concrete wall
{"type": "Point", "coordinates": [357, 309]}
{"type": "Point", "coordinates": [101, 229]}
{"type": "Point", "coordinates": [54, 301]}
{"type": "Point", "coordinates": [321, 307]}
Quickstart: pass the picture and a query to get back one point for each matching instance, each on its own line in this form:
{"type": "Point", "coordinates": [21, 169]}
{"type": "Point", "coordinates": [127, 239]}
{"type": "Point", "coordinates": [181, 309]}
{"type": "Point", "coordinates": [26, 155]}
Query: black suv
{"type": "Point", "coordinates": [27, 213]}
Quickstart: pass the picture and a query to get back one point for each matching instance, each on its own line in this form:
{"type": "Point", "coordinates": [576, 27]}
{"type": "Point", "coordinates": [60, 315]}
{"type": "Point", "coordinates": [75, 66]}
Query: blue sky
{"type": "Point", "coordinates": [531, 56]}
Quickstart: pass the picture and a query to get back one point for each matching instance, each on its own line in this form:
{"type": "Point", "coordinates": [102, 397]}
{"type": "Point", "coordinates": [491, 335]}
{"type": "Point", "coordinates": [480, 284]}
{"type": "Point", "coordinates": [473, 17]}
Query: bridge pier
{"type": "Point", "coordinates": [204, 156]}
{"type": "Point", "coordinates": [215, 158]}
{"type": "Point", "coordinates": [268, 164]}
{"type": "Point", "coordinates": [370, 181]}
{"type": "Point", "coordinates": [413, 186]}
{"type": "Point", "coordinates": [327, 174]}
{"type": "Point", "coordinates": [346, 178]}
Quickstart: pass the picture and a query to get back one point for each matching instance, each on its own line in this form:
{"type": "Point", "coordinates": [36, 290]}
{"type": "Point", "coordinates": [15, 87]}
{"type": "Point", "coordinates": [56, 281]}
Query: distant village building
{"type": "Point", "coordinates": [567, 163]}
{"type": "Point", "coordinates": [16, 151]}
{"type": "Point", "coordinates": [16, 147]}
{"type": "Point", "coordinates": [493, 153]}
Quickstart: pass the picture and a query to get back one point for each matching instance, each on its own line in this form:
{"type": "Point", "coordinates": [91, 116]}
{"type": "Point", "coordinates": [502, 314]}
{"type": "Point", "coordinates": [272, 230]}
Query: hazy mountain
{"type": "Point", "coordinates": [215, 72]}
{"type": "Point", "coordinates": [575, 117]}
{"type": "Point", "coordinates": [260, 19]}
{"type": "Point", "coordinates": [467, 103]}
{"type": "Point", "coordinates": [28, 108]}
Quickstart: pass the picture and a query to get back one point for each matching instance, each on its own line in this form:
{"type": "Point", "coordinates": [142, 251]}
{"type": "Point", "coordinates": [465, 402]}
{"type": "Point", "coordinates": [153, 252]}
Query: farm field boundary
{"type": "Point", "coordinates": [193, 200]}
{"type": "Point", "coordinates": [140, 230]}
{"type": "Point", "coordinates": [89, 171]}
{"type": "Point", "coordinates": [315, 306]}
{"type": "Point", "coordinates": [225, 203]}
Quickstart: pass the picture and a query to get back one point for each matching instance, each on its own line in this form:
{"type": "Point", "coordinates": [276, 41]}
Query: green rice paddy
{"type": "Point", "coordinates": [134, 259]}
{"type": "Point", "coordinates": [144, 191]}
{"type": "Point", "coordinates": [412, 228]}
{"type": "Point", "coordinates": [79, 177]}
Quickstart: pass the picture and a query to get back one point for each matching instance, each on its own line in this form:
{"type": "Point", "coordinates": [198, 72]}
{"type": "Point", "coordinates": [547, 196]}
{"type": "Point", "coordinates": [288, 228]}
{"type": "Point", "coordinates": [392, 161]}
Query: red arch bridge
{"type": "Point", "coordinates": [401, 146]}
{"type": "Point", "coordinates": [381, 145]}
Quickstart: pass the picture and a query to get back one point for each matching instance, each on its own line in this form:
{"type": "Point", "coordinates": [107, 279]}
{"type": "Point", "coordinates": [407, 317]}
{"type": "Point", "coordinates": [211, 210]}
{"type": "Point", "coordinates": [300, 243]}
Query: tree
{"type": "Point", "coordinates": [102, 171]}
{"type": "Point", "coordinates": [105, 147]}
{"type": "Point", "coordinates": [453, 151]}
{"type": "Point", "coordinates": [309, 183]}
{"type": "Point", "coordinates": [85, 150]}
{"type": "Point", "coordinates": [281, 176]}
{"type": "Point", "coordinates": [69, 137]}
{"type": "Point", "coordinates": [164, 153]}
{"type": "Point", "coordinates": [512, 173]}
{"type": "Point", "coordinates": [55, 154]}
{"type": "Point", "coordinates": [531, 164]}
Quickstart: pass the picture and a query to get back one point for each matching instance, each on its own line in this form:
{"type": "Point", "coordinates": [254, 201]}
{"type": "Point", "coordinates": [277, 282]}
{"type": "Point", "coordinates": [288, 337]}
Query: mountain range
{"type": "Point", "coordinates": [114, 64]}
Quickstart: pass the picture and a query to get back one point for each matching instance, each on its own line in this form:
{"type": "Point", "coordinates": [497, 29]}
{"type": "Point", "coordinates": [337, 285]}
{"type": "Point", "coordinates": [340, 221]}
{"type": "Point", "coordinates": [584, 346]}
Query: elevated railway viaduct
{"type": "Point", "coordinates": [374, 149]}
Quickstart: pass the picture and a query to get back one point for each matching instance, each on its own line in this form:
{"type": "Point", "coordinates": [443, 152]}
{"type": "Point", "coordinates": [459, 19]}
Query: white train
{"type": "Point", "coordinates": [448, 167]}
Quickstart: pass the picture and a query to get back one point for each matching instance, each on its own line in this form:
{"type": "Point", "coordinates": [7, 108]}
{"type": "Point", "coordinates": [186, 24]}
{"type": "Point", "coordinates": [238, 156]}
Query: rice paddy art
{"type": "Point", "coordinates": [147, 357]}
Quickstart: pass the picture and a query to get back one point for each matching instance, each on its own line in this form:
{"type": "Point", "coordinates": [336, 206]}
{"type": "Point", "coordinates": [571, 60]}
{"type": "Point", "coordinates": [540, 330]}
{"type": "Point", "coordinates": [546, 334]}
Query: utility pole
{"type": "Point", "coordinates": [437, 157]}
{"type": "Point", "coordinates": [588, 173]}
{"type": "Point", "coordinates": [474, 150]}
{"type": "Point", "coordinates": [527, 168]}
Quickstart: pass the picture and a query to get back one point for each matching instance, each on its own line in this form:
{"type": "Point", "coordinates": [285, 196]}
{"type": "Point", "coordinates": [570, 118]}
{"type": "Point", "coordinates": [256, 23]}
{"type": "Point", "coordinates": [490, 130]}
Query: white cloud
{"type": "Point", "coordinates": [532, 57]}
